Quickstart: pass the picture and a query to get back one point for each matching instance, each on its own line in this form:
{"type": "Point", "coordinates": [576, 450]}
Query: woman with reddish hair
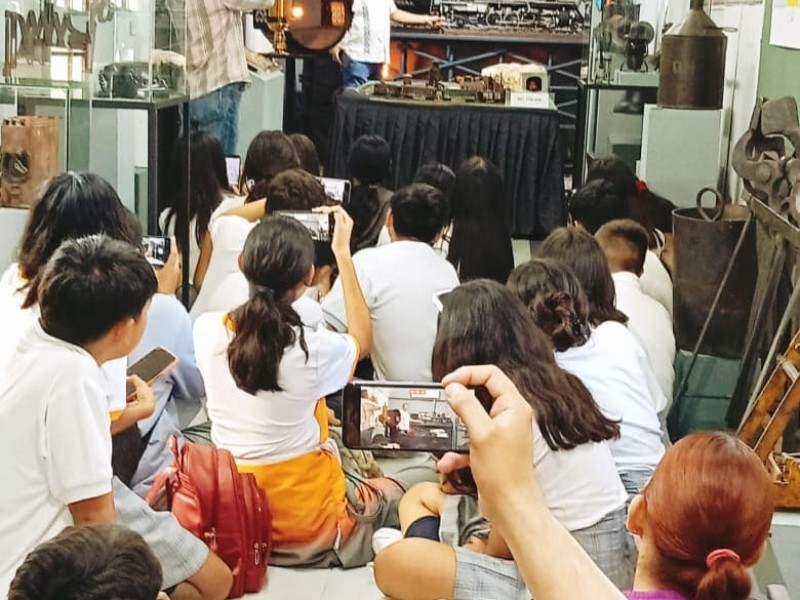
{"type": "Point", "coordinates": [701, 521]}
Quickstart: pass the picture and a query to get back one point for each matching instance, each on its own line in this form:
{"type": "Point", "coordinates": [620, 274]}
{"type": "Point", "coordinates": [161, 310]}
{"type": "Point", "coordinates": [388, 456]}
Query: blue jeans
{"type": "Point", "coordinates": [355, 74]}
{"type": "Point", "coordinates": [217, 114]}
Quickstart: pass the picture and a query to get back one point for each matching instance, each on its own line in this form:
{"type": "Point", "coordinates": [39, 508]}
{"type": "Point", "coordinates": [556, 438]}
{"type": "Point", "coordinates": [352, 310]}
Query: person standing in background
{"type": "Point", "coordinates": [216, 67]}
{"type": "Point", "coordinates": [364, 49]}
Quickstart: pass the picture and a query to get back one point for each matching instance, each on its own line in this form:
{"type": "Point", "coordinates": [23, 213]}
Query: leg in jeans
{"type": "Point", "coordinates": [217, 113]}
{"type": "Point", "coordinates": [355, 74]}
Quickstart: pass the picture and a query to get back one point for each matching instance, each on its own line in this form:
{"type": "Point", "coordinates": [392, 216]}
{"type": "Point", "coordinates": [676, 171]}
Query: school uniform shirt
{"type": "Point", "coordinates": [15, 320]}
{"type": "Point", "coordinates": [167, 222]}
{"type": "Point", "coordinates": [614, 368]}
{"type": "Point", "coordinates": [178, 392]}
{"type": "Point", "coordinates": [271, 427]}
{"type": "Point", "coordinates": [581, 486]}
{"type": "Point", "coordinates": [224, 287]}
{"type": "Point", "coordinates": [55, 439]}
{"type": "Point", "coordinates": [650, 322]}
{"type": "Point", "coordinates": [656, 281]}
{"type": "Point", "coordinates": [398, 281]}
{"type": "Point", "coordinates": [368, 39]}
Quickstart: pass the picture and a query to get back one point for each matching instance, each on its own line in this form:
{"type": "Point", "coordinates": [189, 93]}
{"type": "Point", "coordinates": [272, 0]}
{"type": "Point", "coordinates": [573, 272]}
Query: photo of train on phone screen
{"type": "Point", "coordinates": [382, 415]}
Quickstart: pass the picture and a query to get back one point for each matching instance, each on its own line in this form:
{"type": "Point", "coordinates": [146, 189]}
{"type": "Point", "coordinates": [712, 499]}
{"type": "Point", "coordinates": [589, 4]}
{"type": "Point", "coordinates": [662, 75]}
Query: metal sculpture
{"type": "Point", "coordinates": [768, 165]}
{"type": "Point", "coordinates": [29, 158]}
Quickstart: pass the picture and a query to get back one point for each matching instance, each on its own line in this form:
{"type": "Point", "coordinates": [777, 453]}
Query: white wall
{"type": "Point", "coordinates": [741, 78]}
{"type": "Point", "coordinates": [12, 223]}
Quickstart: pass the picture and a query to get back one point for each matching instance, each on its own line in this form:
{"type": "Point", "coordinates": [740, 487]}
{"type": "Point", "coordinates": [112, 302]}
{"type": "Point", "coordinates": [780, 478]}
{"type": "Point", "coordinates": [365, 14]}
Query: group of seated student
{"type": "Point", "coordinates": [566, 438]}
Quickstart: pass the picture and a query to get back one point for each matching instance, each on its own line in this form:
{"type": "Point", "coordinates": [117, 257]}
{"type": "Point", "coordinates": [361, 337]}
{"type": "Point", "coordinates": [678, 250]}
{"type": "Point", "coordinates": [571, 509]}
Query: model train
{"type": "Point", "coordinates": [548, 15]}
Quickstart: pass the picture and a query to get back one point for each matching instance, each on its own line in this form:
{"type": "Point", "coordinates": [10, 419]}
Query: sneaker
{"type": "Point", "coordinates": [385, 537]}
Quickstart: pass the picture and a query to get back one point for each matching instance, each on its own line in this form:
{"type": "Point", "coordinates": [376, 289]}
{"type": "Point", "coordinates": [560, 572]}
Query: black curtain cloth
{"type": "Point", "coordinates": [522, 143]}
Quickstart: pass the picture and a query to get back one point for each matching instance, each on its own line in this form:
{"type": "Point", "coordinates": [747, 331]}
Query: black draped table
{"type": "Point", "coordinates": [523, 143]}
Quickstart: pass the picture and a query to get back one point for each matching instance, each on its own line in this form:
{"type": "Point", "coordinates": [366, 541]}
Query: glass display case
{"type": "Point", "coordinates": [619, 79]}
{"type": "Point", "coordinates": [130, 49]}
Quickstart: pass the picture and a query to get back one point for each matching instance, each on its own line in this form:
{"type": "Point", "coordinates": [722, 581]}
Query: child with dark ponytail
{"type": "Point", "coordinates": [268, 366]}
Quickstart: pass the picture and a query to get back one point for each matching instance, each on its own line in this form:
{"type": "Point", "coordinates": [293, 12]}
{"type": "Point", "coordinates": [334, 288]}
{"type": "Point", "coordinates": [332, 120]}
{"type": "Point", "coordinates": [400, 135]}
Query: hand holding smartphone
{"type": "Point", "coordinates": [382, 415]}
{"type": "Point", "coordinates": [150, 367]}
{"type": "Point", "coordinates": [156, 249]}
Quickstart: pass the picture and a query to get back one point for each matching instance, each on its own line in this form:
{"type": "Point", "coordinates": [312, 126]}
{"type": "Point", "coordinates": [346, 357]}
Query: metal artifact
{"type": "Point", "coordinates": [705, 241]}
{"type": "Point", "coordinates": [312, 24]}
{"type": "Point", "coordinates": [31, 37]}
{"type": "Point", "coordinates": [769, 166]}
{"type": "Point", "coordinates": [637, 39]}
{"type": "Point", "coordinates": [692, 71]}
{"type": "Point", "coordinates": [29, 158]}
{"type": "Point", "coordinates": [763, 428]}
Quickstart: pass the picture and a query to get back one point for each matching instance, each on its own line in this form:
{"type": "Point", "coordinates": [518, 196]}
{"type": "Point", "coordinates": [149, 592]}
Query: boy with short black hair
{"type": "Point", "coordinates": [624, 242]}
{"type": "Point", "coordinates": [54, 413]}
{"type": "Point", "coordinates": [95, 562]}
{"type": "Point", "coordinates": [398, 281]}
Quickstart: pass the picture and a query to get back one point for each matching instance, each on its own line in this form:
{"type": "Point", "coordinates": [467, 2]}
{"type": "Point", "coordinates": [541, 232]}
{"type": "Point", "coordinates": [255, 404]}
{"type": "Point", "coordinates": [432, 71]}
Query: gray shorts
{"type": "Point", "coordinates": [482, 577]}
{"type": "Point", "coordinates": [180, 553]}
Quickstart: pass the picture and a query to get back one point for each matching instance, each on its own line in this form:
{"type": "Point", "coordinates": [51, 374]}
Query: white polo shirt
{"type": "Point", "coordinates": [398, 282]}
{"type": "Point", "coordinates": [369, 37]}
{"type": "Point", "coordinates": [15, 320]}
{"type": "Point", "coordinates": [224, 287]}
{"type": "Point", "coordinates": [650, 322]}
{"type": "Point", "coordinates": [581, 486]}
{"type": "Point", "coordinates": [55, 440]}
{"type": "Point", "coordinates": [614, 367]}
{"type": "Point", "coordinates": [271, 427]}
{"type": "Point", "coordinates": [656, 281]}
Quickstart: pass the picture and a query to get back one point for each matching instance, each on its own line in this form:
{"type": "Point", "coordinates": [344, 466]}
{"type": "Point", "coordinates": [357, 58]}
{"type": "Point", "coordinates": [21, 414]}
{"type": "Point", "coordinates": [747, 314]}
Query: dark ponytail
{"type": "Point", "coordinates": [277, 257]}
{"type": "Point", "coordinates": [553, 295]}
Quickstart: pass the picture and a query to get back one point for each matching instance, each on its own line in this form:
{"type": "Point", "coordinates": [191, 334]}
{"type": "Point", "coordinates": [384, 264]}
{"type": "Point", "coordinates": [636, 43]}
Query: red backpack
{"type": "Point", "coordinates": [224, 508]}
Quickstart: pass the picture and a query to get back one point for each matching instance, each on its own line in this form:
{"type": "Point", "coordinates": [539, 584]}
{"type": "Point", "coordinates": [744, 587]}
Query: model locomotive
{"type": "Point", "coordinates": [549, 15]}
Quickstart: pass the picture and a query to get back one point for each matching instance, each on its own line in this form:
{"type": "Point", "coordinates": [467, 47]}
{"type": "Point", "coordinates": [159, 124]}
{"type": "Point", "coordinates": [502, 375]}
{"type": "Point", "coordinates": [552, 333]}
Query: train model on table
{"type": "Point", "coordinates": [565, 16]}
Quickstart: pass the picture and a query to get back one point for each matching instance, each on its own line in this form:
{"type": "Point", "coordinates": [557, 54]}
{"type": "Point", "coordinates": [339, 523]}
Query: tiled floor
{"type": "Point", "coordinates": [319, 584]}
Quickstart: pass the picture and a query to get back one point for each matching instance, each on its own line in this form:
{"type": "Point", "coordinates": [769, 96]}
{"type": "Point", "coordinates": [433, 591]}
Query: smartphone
{"type": "Point", "coordinates": [150, 367]}
{"type": "Point", "coordinates": [233, 164]}
{"type": "Point", "coordinates": [383, 415]}
{"type": "Point", "coordinates": [337, 189]}
{"type": "Point", "coordinates": [156, 249]}
{"type": "Point", "coordinates": [319, 225]}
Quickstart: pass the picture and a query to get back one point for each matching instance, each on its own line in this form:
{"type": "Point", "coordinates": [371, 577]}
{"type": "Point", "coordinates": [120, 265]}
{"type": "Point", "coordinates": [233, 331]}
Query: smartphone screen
{"type": "Point", "coordinates": [153, 364]}
{"type": "Point", "coordinates": [156, 249]}
{"type": "Point", "coordinates": [382, 415]}
{"type": "Point", "coordinates": [337, 189]}
{"type": "Point", "coordinates": [319, 225]}
{"type": "Point", "coordinates": [233, 164]}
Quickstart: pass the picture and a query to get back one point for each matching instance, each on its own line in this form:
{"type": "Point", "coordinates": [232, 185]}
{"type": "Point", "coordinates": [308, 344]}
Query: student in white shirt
{"type": "Point", "coordinates": [624, 243]}
{"type": "Point", "coordinates": [599, 202]}
{"type": "Point", "coordinates": [482, 321]}
{"type": "Point", "coordinates": [54, 416]}
{"type": "Point", "coordinates": [210, 197]}
{"type": "Point", "coordinates": [267, 374]}
{"type": "Point", "coordinates": [365, 47]}
{"type": "Point", "coordinates": [606, 358]}
{"type": "Point", "coordinates": [398, 281]}
{"type": "Point", "coordinates": [74, 205]}
{"type": "Point", "coordinates": [292, 189]}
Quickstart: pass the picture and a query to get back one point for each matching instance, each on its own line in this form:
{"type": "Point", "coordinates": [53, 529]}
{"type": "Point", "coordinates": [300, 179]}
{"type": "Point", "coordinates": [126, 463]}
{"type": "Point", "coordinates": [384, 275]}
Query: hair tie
{"type": "Point", "coordinates": [641, 187]}
{"type": "Point", "coordinates": [265, 290]}
{"type": "Point", "coordinates": [718, 555]}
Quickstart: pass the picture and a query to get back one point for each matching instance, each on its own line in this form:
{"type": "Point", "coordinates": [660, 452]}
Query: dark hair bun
{"type": "Point", "coordinates": [555, 314]}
